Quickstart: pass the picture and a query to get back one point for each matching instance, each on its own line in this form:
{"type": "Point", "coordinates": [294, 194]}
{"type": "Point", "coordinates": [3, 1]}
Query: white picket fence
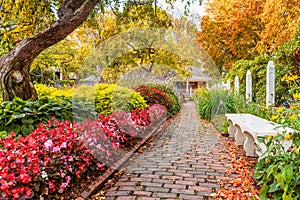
{"type": "Point", "coordinates": [270, 84]}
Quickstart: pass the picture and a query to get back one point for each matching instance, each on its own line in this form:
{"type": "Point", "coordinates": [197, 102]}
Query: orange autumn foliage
{"type": "Point", "coordinates": [242, 29]}
{"type": "Point", "coordinates": [281, 20]}
{"type": "Point", "coordinates": [241, 186]}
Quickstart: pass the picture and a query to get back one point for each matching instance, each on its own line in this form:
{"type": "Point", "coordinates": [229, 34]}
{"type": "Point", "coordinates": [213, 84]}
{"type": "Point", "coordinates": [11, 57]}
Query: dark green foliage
{"type": "Point", "coordinates": [287, 62]}
{"type": "Point", "coordinates": [22, 116]}
{"type": "Point", "coordinates": [278, 169]}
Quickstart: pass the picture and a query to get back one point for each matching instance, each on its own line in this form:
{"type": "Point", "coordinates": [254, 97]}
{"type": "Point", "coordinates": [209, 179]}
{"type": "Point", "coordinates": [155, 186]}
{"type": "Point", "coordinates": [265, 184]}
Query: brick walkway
{"type": "Point", "coordinates": [185, 162]}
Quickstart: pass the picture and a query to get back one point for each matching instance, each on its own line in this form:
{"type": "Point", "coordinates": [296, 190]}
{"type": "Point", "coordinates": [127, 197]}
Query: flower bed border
{"type": "Point", "coordinates": [109, 173]}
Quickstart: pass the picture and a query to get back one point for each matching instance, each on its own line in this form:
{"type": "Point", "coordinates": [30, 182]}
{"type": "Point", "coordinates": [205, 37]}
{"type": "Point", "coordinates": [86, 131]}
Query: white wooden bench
{"type": "Point", "coordinates": [246, 128]}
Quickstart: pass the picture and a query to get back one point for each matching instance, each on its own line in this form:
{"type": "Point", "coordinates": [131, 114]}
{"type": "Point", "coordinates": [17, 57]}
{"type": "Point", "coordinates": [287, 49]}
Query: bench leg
{"type": "Point", "coordinates": [239, 136]}
{"type": "Point", "coordinates": [249, 145]}
{"type": "Point", "coordinates": [231, 129]}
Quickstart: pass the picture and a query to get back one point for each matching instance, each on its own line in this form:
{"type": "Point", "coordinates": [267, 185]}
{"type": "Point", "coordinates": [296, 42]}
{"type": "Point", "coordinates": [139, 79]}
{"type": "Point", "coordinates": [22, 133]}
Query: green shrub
{"type": "Point", "coordinates": [105, 97]}
{"type": "Point", "coordinates": [22, 116]}
{"type": "Point", "coordinates": [278, 169]}
{"type": "Point", "coordinates": [238, 104]}
{"type": "Point", "coordinates": [110, 97]}
{"type": "Point", "coordinates": [286, 60]}
{"type": "Point", "coordinates": [213, 104]}
{"type": "Point", "coordinates": [85, 92]}
{"type": "Point", "coordinates": [77, 104]}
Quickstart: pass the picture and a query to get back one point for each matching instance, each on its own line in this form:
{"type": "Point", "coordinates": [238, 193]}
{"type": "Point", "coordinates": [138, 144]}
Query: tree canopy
{"type": "Point", "coordinates": [242, 29]}
{"type": "Point", "coordinates": [29, 27]}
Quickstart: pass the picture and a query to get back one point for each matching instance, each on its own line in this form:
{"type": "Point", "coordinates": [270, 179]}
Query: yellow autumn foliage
{"type": "Point", "coordinates": [52, 92]}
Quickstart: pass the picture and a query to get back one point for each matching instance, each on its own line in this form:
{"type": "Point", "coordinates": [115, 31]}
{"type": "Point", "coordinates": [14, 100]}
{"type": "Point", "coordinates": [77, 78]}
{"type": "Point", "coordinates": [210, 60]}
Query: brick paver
{"type": "Point", "coordinates": [185, 162]}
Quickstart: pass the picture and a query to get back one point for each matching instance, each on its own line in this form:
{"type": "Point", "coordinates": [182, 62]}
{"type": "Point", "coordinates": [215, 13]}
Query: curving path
{"type": "Point", "coordinates": [185, 162]}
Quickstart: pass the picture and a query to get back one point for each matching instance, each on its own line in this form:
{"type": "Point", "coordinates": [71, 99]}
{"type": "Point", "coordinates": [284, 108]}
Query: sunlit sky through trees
{"type": "Point", "coordinates": [178, 10]}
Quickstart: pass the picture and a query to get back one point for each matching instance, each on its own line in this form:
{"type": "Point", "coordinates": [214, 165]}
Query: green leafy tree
{"type": "Point", "coordinates": [138, 48]}
{"type": "Point", "coordinates": [63, 57]}
{"type": "Point", "coordinates": [29, 27]}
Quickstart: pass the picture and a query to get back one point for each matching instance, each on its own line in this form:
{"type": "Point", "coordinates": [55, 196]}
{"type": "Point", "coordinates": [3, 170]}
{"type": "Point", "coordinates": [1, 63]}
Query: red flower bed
{"type": "Point", "coordinates": [55, 154]}
{"type": "Point", "coordinates": [153, 95]}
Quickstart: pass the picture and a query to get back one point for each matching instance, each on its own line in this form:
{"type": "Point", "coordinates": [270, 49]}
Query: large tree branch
{"type": "Point", "coordinates": [29, 48]}
{"type": "Point", "coordinates": [14, 67]}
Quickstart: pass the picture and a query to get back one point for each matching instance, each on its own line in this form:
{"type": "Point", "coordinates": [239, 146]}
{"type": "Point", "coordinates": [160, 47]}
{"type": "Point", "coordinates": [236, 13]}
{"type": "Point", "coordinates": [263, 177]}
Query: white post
{"type": "Point", "coordinates": [228, 84]}
{"type": "Point", "coordinates": [270, 99]}
{"type": "Point", "coordinates": [187, 85]}
{"type": "Point", "coordinates": [248, 86]}
{"type": "Point", "coordinates": [60, 74]}
{"type": "Point", "coordinates": [236, 84]}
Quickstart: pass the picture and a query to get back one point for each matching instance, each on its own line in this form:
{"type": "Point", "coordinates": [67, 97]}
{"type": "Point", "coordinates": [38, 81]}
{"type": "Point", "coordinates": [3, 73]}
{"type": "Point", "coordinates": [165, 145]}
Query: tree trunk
{"type": "Point", "coordinates": [15, 79]}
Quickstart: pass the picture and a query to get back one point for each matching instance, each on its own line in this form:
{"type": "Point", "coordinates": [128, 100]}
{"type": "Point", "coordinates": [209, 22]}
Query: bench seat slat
{"type": "Point", "coordinates": [246, 128]}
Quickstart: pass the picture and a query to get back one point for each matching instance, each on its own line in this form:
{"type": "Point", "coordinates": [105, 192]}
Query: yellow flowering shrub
{"type": "Point", "coordinates": [110, 97]}
{"type": "Point", "coordinates": [288, 117]}
{"type": "Point", "coordinates": [296, 96]}
{"type": "Point", "coordinates": [107, 97]}
{"type": "Point", "coordinates": [279, 110]}
{"type": "Point", "coordinates": [51, 92]}
{"type": "Point", "coordinates": [289, 77]}
{"type": "Point", "coordinates": [85, 92]}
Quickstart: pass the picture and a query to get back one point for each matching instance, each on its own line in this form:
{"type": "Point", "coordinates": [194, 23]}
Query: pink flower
{"type": "Point", "coordinates": [63, 187]}
{"type": "Point", "coordinates": [68, 179]}
{"type": "Point", "coordinates": [99, 165]}
{"type": "Point", "coordinates": [63, 145]}
{"type": "Point", "coordinates": [9, 143]}
{"type": "Point", "coordinates": [28, 192]}
{"type": "Point", "coordinates": [56, 149]}
{"type": "Point", "coordinates": [52, 186]}
{"type": "Point", "coordinates": [48, 144]}
{"type": "Point", "coordinates": [62, 174]}
{"type": "Point", "coordinates": [28, 159]}
{"type": "Point", "coordinates": [70, 158]}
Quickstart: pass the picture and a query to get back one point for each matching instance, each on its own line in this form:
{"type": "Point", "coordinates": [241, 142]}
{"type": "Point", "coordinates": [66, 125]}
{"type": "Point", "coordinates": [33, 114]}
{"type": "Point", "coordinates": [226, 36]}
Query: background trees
{"type": "Point", "coordinates": [146, 39]}
{"type": "Point", "coordinates": [242, 29]}
{"type": "Point", "coordinates": [281, 20]}
{"type": "Point", "coordinates": [29, 27]}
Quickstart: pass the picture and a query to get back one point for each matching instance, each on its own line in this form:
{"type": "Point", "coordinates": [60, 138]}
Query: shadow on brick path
{"type": "Point", "coordinates": [185, 162]}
